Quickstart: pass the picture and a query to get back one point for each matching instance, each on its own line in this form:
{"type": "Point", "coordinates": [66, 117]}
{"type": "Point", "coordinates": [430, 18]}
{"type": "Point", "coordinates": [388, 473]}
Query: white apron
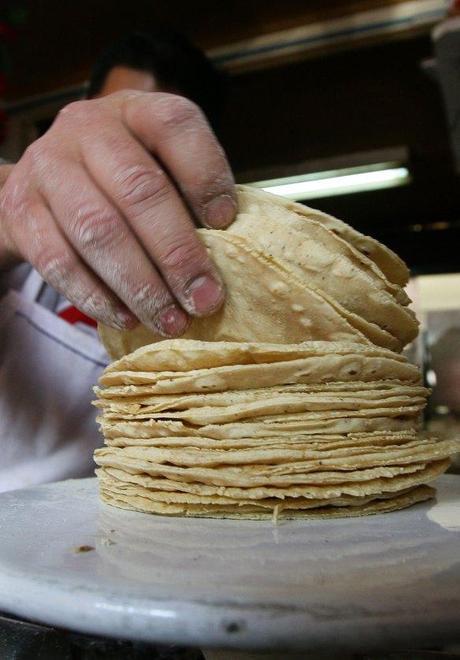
{"type": "Point", "coordinates": [47, 370]}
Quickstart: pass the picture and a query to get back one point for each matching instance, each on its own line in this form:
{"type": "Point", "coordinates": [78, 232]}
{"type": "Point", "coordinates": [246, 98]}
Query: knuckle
{"type": "Point", "coordinates": [80, 117]}
{"type": "Point", "coordinates": [149, 297]}
{"type": "Point", "coordinates": [76, 109]}
{"type": "Point", "coordinates": [43, 158]}
{"type": "Point", "coordinates": [63, 270]}
{"type": "Point", "coordinates": [176, 111]}
{"type": "Point", "coordinates": [94, 226]}
{"type": "Point", "coordinates": [211, 182]}
{"type": "Point", "coordinates": [56, 267]}
{"type": "Point", "coordinates": [182, 254]}
{"type": "Point", "coordinates": [126, 95]}
{"type": "Point", "coordinates": [140, 186]}
{"type": "Point", "coordinates": [93, 302]}
{"type": "Point", "coordinates": [37, 155]}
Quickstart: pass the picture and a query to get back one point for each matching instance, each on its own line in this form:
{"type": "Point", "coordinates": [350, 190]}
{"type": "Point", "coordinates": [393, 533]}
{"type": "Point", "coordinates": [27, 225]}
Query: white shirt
{"type": "Point", "coordinates": [48, 367]}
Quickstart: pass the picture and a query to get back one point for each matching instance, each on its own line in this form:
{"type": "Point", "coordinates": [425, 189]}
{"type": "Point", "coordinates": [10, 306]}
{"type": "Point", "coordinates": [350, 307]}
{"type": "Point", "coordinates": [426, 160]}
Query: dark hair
{"type": "Point", "coordinates": [175, 63]}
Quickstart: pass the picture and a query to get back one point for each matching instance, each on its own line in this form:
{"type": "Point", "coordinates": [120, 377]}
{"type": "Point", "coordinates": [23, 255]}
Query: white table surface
{"type": "Point", "coordinates": [391, 580]}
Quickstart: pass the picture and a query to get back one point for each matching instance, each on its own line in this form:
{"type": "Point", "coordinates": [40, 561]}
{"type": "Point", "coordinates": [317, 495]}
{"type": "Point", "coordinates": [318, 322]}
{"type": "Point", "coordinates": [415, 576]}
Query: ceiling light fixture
{"type": "Point", "coordinates": [337, 182]}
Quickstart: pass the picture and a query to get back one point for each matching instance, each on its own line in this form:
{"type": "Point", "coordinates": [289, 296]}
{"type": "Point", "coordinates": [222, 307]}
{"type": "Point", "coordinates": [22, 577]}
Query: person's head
{"type": "Point", "coordinates": [159, 61]}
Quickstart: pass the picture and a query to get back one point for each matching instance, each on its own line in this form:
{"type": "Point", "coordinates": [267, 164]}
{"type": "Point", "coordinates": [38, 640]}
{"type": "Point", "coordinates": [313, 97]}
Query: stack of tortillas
{"type": "Point", "coordinates": [323, 420]}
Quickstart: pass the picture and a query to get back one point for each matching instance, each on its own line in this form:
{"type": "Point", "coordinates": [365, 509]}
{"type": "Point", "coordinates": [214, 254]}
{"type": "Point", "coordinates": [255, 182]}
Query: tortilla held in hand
{"type": "Point", "coordinates": [292, 401]}
{"type": "Point", "coordinates": [293, 274]}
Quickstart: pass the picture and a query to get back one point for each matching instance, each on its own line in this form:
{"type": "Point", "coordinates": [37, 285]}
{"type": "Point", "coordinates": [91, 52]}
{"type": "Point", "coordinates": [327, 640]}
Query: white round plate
{"type": "Point", "coordinates": [390, 580]}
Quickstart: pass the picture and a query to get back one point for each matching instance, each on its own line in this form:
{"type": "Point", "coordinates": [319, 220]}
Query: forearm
{"type": "Point", "coordinates": [7, 258]}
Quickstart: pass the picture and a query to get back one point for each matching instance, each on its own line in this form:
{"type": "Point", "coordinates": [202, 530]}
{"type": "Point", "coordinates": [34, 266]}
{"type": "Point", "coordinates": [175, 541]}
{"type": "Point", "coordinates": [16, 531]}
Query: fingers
{"type": "Point", "coordinates": [106, 244]}
{"type": "Point", "coordinates": [149, 202]}
{"type": "Point", "coordinates": [176, 131]}
{"type": "Point", "coordinates": [58, 264]}
{"type": "Point", "coordinates": [112, 191]}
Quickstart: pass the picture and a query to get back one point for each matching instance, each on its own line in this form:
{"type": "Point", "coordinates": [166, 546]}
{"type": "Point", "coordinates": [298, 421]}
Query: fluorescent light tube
{"type": "Point", "coordinates": [338, 182]}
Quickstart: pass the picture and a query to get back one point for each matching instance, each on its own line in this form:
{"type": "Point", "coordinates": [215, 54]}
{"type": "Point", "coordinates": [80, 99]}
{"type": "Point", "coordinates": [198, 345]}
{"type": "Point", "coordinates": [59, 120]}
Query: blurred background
{"type": "Point", "coordinates": [350, 106]}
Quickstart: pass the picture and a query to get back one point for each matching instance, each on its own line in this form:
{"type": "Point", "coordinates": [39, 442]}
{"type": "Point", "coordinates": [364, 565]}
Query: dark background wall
{"type": "Point", "coordinates": [372, 98]}
{"type": "Point", "coordinates": [330, 105]}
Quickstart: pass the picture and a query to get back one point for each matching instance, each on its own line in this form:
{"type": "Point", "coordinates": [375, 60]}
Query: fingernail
{"type": "Point", "coordinates": [173, 321]}
{"type": "Point", "coordinates": [220, 212]}
{"type": "Point", "coordinates": [204, 295]}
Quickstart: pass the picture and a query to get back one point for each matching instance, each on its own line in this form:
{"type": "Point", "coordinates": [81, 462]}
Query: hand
{"type": "Point", "coordinates": [103, 206]}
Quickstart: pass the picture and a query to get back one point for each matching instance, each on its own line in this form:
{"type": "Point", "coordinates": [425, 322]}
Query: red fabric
{"type": "Point", "coordinates": [73, 315]}
{"type": "Point", "coordinates": [454, 8]}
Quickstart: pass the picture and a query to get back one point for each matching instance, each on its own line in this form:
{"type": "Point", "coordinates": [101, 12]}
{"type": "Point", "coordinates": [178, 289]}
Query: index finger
{"type": "Point", "coordinates": [155, 212]}
{"type": "Point", "coordinates": [176, 131]}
